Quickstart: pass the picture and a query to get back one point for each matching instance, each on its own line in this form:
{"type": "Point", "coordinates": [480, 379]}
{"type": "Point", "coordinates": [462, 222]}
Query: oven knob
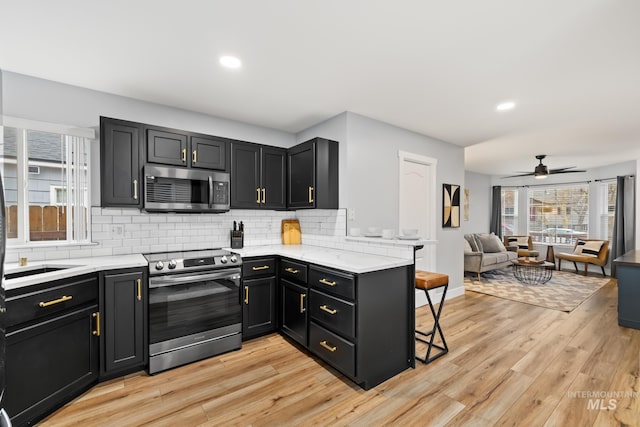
{"type": "Point", "coordinates": [223, 259]}
{"type": "Point", "coordinates": [172, 264]}
{"type": "Point", "coordinates": [233, 258]}
{"type": "Point", "coordinates": [159, 265]}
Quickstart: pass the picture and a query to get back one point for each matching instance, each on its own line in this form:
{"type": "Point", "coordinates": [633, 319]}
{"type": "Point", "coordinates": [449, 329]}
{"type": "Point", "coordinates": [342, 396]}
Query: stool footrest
{"type": "Point", "coordinates": [427, 281]}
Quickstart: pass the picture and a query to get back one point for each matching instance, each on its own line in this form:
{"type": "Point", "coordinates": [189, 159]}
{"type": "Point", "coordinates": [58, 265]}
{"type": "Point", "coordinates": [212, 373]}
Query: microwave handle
{"type": "Point", "coordinates": [210, 191]}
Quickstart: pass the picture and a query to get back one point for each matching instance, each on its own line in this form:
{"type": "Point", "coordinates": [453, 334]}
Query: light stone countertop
{"type": "Point", "coordinates": [71, 267]}
{"type": "Point", "coordinates": [355, 262]}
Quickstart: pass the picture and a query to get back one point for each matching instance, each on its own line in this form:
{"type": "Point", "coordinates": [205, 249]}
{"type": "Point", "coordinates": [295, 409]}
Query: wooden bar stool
{"type": "Point", "coordinates": [427, 281]}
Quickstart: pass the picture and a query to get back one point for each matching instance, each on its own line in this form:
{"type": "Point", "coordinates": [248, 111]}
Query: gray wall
{"type": "Point", "coordinates": [479, 186]}
{"type": "Point", "coordinates": [370, 182]}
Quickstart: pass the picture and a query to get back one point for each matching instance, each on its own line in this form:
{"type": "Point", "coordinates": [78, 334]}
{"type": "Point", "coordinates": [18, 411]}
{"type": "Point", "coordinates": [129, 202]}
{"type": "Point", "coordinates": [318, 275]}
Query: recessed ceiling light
{"type": "Point", "coordinates": [230, 62]}
{"type": "Point", "coordinates": [505, 106]}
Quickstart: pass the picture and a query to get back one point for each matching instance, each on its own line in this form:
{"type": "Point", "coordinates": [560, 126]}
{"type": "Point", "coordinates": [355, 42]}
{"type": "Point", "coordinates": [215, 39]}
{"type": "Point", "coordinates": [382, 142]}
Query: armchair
{"type": "Point", "coordinates": [524, 245]}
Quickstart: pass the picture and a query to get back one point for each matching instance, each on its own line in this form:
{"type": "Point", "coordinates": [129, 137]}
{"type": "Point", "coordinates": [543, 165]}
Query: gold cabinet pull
{"type": "Point", "coordinates": [329, 347]}
{"type": "Point", "coordinates": [184, 154]}
{"type": "Point", "coordinates": [194, 157]}
{"type": "Point", "coordinates": [326, 282]}
{"type": "Point", "coordinates": [258, 199]}
{"type": "Point", "coordinates": [135, 189]}
{"type": "Point", "coordinates": [139, 290]}
{"type": "Point", "coordinates": [263, 267]}
{"type": "Point", "coordinates": [310, 194]}
{"type": "Point", "coordinates": [291, 270]}
{"type": "Point", "coordinates": [302, 309]}
{"type": "Point", "coordinates": [96, 316]}
{"type": "Point", "coordinates": [246, 295]}
{"type": "Point", "coordinates": [328, 310]}
{"type": "Point", "coordinates": [264, 195]}
{"type": "Point", "coordinates": [55, 301]}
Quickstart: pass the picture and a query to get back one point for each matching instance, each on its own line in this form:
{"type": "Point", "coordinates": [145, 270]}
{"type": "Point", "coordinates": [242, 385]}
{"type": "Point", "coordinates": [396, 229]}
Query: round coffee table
{"type": "Point", "coordinates": [531, 273]}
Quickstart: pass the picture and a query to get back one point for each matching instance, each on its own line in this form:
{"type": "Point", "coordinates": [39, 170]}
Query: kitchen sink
{"type": "Point", "coordinates": [33, 272]}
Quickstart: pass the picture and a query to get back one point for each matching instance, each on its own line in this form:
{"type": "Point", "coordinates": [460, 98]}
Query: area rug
{"type": "Point", "coordinates": [565, 291]}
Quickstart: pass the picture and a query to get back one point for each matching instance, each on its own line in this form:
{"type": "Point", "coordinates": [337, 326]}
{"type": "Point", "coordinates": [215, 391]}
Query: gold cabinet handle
{"type": "Point", "coordinates": [291, 270]}
{"type": "Point", "coordinates": [258, 199]}
{"type": "Point", "coordinates": [194, 157]}
{"type": "Point", "coordinates": [184, 154]}
{"type": "Point", "coordinates": [135, 189]}
{"type": "Point", "coordinates": [96, 316]}
{"type": "Point", "coordinates": [329, 347]}
{"type": "Point", "coordinates": [264, 195]}
{"type": "Point", "coordinates": [328, 310]}
{"type": "Point", "coordinates": [55, 301]}
{"type": "Point", "coordinates": [326, 282]}
{"type": "Point", "coordinates": [302, 309]}
{"type": "Point", "coordinates": [264, 267]}
{"type": "Point", "coordinates": [246, 295]}
{"type": "Point", "coordinates": [139, 290]}
{"type": "Point", "coordinates": [310, 194]}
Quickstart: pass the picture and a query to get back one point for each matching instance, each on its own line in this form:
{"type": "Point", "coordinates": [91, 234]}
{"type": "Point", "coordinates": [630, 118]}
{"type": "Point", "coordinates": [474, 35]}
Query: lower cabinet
{"type": "Point", "coordinates": [124, 337]}
{"type": "Point", "coordinates": [52, 353]}
{"type": "Point", "coordinates": [294, 311]}
{"type": "Point", "coordinates": [259, 297]}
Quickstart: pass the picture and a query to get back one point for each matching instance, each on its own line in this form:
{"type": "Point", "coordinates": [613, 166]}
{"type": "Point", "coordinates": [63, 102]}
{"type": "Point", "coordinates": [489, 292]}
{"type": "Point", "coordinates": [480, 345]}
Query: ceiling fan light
{"type": "Point", "coordinates": [540, 176]}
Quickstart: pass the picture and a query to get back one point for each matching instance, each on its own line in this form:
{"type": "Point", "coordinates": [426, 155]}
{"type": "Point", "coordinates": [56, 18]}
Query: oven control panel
{"type": "Point", "coordinates": [166, 263]}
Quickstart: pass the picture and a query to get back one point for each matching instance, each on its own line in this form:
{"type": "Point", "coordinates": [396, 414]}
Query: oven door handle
{"type": "Point", "coordinates": [158, 282]}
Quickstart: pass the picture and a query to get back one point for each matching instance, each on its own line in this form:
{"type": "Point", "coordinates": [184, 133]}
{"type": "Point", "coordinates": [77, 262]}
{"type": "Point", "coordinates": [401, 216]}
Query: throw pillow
{"type": "Point", "coordinates": [590, 248]}
{"type": "Point", "coordinates": [491, 243]}
{"type": "Point", "coordinates": [467, 246]}
{"type": "Point", "coordinates": [472, 242]}
{"type": "Point", "coordinates": [522, 242]}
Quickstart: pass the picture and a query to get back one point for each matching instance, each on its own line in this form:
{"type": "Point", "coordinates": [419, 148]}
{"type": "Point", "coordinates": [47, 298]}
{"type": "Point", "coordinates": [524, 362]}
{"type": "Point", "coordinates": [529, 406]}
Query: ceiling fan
{"type": "Point", "coordinates": [541, 170]}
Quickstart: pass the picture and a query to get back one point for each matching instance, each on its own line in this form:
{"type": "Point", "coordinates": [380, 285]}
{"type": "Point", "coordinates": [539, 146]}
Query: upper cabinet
{"type": "Point", "coordinates": [170, 147]}
{"type": "Point", "coordinates": [120, 148]}
{"type": "Point", "coordinates": [258, 176]}
{"type": "Point", "coordinates": [312, 175]}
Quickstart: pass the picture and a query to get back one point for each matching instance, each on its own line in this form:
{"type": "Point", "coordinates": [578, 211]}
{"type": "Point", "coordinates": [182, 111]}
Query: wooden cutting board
{"type": "Point", "coordinates": [291, 234]}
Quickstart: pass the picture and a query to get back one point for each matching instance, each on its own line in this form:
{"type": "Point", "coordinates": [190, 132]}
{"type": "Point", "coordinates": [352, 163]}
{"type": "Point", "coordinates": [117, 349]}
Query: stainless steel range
{"type": "Point", "coordinates": [195, 307]}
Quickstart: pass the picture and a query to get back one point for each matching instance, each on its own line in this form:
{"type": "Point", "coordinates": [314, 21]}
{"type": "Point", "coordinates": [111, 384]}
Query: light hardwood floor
{"type": "Point", "coordinates": [509, 364]}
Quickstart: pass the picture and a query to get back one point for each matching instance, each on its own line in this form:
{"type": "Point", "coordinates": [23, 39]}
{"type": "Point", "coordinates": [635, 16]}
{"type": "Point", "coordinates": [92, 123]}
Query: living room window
{"type": "Point", "coordinates": [607, 207]}
{"type": "Point", "coordinates": [509, 211]}
{"type": "Point", "coordinates": [41, 165]}
{"type": "Point", "coordinates": [559, 214]}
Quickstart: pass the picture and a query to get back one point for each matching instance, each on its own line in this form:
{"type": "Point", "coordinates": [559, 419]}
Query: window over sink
{"type": "Point", "coordinates": [45, 174]}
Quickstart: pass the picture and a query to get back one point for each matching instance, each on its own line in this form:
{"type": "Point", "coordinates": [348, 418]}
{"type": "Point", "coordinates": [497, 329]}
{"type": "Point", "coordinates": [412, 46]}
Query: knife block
{"type": "Point", "coordinates": [237, 239]}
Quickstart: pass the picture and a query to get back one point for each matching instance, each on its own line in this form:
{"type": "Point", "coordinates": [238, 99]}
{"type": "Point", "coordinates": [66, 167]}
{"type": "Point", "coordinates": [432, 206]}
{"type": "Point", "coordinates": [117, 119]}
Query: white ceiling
{"type": "Point", "coordinates": [435, 67]}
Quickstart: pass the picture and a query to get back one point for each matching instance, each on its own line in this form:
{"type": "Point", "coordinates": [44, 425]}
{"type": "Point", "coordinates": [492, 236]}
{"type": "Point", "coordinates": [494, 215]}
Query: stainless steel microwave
{"type": "Point", "coordinates": [172, 189]}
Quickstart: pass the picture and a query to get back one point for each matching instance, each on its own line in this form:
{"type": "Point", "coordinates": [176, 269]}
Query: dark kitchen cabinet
{"type": "Point", "coordinates": [294, 311]}
{"type": "Point", "coordinates": [294, 295]}
{"type": "Point", "coordinates": [360, 323]}
{"type": "Point", "coordinates": [52, 346]}
{"type": "Point", "coordinates": [258, 176]}
{"type": "Point", "coordinates": [259, 297]}
{"type": "Point", "coordinates": [178, 148]}
{"type": "Point", "coordinates": [209, 152]}
{"type": "Point", "coordinates": [120, 166]}
{"type": "Point", "coordinates": [124, 338]}
{"type": "Point", "coordinates": [312, 175]}
{"type": "Point", "coordinates": [167, 147]}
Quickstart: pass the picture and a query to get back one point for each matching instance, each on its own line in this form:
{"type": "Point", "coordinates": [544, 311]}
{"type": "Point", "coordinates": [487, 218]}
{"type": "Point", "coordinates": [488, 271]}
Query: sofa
{"type": "Point", "coordinates": [485, 252]}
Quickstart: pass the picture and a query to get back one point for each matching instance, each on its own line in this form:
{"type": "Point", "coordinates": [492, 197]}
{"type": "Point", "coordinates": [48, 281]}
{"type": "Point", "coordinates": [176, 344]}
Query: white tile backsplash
{"type": "Point", "coordinates": [117, 231]}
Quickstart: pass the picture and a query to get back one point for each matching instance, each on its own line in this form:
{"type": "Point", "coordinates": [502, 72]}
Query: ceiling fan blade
{"type": "Point", "coordinates": [560, 169]}
{"type": "Point", "coordinates": [565, 171]}
{"type": "Point", "coordinates": [515, 176]}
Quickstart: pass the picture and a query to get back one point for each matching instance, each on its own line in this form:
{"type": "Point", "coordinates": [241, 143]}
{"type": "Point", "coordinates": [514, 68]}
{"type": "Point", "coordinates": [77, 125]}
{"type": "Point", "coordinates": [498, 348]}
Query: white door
{"type": "Point", "coordinates": [418, 207]}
